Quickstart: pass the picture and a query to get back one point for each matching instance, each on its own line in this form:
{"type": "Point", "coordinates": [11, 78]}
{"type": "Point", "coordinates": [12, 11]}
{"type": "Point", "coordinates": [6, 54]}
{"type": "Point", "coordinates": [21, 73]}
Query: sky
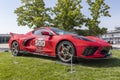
{"type": "Point", "coordinates": [8, 19]}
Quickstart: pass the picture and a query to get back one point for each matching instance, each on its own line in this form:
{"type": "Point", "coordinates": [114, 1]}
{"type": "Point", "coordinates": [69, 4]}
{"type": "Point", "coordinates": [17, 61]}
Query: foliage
{"type": "Point", "coordinates": [32, 67]}
{"type": "Point", "coordinates": [67, 14]}
{"type": "Point", "coordinates": [98, 8]}
{"type": "Point", "coordinates": [32, 13]}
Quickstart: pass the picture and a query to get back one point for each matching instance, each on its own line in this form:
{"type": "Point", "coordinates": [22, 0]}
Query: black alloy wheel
{"type": "Point", "coordinates": [65, 50]}
{"type": "Point", "coordinates": [15, 49]}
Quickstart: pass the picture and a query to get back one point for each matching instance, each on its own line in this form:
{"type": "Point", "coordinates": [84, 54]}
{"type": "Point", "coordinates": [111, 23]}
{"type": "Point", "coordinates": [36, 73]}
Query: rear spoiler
{"type": "Point", "coordinates": [12, 34]}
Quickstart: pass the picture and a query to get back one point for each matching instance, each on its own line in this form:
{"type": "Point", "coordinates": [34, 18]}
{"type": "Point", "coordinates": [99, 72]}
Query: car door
{"type": "Point", "coordinates": [43, 41]}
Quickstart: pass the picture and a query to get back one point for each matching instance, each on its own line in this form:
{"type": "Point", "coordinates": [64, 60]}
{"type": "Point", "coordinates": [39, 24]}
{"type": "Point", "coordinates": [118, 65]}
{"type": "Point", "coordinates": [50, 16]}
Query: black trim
{"type": "Point", "coordinates": [26, 40]}
{"type": "Point", "coordinates": [90, 51]}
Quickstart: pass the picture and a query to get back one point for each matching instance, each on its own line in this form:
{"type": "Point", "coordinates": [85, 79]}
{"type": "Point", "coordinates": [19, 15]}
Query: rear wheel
{"type": "Point", "coordinates": [15, 49]}
{"type": "Point", "coordinates": [65, 50]}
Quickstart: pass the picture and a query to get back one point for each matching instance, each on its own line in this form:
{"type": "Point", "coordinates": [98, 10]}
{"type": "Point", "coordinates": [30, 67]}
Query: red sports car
{"type": "Point", "coordinates": [50, 41]}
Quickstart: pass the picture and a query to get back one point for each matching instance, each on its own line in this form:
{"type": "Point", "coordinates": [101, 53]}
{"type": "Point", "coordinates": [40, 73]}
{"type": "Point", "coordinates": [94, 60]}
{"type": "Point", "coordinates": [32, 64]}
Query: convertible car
{"type": "Point", "coordinates": [50, 41]}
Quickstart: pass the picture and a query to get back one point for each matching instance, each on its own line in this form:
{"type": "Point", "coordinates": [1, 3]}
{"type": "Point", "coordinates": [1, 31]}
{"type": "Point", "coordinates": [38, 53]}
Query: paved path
{"type": "Point", "coordinates": [4, 47]}
{"type": "Point", "coordinates": [116, 46]}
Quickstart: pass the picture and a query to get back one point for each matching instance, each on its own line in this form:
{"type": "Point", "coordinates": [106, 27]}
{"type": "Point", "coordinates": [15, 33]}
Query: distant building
{"type": "Point", "coordinates": [4, 38]}
{"type": "Point", "coordinates": [112, 36]}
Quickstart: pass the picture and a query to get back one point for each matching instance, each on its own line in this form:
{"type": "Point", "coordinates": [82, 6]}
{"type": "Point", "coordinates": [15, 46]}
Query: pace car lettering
{"type": "Point", "coordinates": [40, 42]}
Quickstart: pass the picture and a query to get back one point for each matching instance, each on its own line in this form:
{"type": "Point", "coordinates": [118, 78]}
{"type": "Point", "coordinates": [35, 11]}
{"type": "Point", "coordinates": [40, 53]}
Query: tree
{"type": "Point", "coordinates": [67, 14]}
{"type": "Point", "coordinates": [32, 13]}
{"type": "Point", "coordinates": [98, 8]}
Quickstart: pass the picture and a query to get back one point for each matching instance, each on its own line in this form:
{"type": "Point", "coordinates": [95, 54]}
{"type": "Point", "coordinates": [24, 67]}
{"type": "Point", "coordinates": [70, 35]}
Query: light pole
{"type": "Point", "coordinates": [112, 38]}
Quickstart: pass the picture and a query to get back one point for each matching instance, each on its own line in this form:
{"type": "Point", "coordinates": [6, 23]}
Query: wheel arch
{"type": "Point", "coordinates": [62, 41]}
{"type": "Point", "coordinates": [12, 42]}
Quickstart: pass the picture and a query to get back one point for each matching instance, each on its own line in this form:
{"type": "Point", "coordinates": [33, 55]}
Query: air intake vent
{"type": "Point", "coordinates": [90, 51]}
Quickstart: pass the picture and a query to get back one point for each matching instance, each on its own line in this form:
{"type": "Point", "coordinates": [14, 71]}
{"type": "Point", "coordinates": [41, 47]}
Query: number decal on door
{"type": "Point", "coordinates": [40, 42]}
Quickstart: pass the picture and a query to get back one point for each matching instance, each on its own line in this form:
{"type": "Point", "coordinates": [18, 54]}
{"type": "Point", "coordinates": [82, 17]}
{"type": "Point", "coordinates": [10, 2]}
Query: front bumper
{"type": "Point", "coordinates": [107, 56]}
{"type": "Point", "coordinates": [94, 52]}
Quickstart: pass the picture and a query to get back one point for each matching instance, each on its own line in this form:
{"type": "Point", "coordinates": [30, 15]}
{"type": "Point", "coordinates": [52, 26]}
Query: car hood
{"type": "Point", "coordinates": [99, 40]}
{"type": "Point", "coordinates": [92, 40]}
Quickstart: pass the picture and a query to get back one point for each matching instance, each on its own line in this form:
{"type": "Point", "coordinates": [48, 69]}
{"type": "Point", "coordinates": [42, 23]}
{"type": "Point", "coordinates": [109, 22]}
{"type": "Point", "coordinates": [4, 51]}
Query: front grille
{"type": "Point", "coordinates": [90, 51]}
{"type": "Point", "coordinates": [105, 50]}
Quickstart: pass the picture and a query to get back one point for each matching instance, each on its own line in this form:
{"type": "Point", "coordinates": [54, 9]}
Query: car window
{"type": "Point", "coordinates": [59, 31]}
{"type": "Point", "coordinates": [38, 32]}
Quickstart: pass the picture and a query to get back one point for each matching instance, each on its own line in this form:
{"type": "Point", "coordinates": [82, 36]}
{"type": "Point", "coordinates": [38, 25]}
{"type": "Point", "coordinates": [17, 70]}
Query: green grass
{"type": "Point", "coordinates": [32, 67]}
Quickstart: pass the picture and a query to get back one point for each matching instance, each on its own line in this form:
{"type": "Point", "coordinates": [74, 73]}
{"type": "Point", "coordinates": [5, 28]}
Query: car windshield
{"type": "Point", "coordinates": [60, 32]}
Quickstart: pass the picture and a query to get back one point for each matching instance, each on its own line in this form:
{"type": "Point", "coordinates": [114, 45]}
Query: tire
{"type": "Point", "coordinates": [64, 51]}
{"type": "Point", "coordinates": [15, 49]}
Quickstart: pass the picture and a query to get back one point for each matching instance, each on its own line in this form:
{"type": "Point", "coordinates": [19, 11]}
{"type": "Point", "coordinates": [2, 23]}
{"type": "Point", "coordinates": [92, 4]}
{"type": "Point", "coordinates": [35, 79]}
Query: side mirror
{"type": "Point", "coordinates": [46, 33]}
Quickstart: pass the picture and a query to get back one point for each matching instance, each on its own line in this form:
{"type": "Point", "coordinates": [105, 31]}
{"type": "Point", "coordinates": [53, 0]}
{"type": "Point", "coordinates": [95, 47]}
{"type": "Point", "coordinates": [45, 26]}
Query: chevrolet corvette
{"type": "Point", "coordinates": [54, 42]}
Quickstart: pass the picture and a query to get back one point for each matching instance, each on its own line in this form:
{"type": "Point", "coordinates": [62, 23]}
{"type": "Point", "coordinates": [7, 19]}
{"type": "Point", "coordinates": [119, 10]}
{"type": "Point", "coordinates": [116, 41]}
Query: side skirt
{"type": "Point", "coordinates": [41, 54]}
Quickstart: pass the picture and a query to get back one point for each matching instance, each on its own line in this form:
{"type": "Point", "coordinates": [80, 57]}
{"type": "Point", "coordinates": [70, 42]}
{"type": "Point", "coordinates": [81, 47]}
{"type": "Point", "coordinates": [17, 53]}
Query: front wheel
{"type": "Point", "coordinates": [65, 50]}
{"type": "Point", "coordinates": [15, 49]}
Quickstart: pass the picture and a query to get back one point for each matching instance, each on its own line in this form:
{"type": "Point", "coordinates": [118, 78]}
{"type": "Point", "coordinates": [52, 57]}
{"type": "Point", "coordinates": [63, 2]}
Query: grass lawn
{"type": "Point", "coordinates": [32, 67]}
